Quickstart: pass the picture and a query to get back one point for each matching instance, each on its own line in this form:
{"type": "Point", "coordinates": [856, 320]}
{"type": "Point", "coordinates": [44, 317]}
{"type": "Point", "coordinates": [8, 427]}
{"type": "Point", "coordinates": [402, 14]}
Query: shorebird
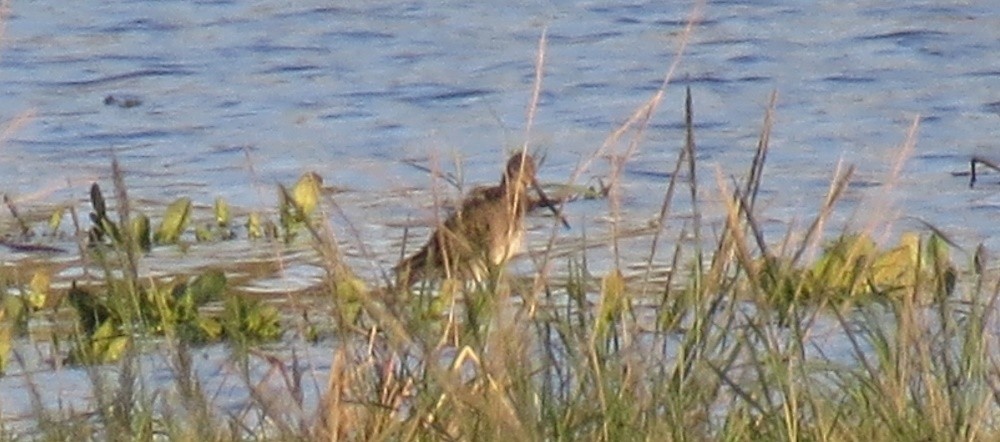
{"type": "Point", "coordinates": [479, 238]}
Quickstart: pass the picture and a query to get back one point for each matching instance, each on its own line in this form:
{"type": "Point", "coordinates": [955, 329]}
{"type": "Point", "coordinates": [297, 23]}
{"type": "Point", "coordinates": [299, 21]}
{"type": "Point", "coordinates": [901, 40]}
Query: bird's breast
{"type": "Point", "coordinates": [507, 247]}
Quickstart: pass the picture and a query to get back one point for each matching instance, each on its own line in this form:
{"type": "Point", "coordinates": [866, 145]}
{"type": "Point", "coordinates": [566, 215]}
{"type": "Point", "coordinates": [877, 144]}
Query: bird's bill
{"type": "Point", "coordinates": [548, 203]}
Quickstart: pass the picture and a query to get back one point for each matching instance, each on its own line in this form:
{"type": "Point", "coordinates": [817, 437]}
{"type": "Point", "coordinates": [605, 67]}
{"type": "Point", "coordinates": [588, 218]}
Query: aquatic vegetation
{"type": "Point", "coordinates": [349, 293]}
{"type": "Point", "coordinates": [6, 340]}
{"type": "Point", "coordinates": [220, 229]}
{"type": "Point", "coordinates": [853, 269]}
{"type": "Point", "coordinates": [296, 207]}
{"type": "Point", "coordinates": [174, 222]}
{"type": "Point", "coordinates": [114, 312]}
{"type": "Point", "coordinates": [13, 317]}
{"type": "Point", "coordinates": [104, 344]}
{"type": "Point", "coordinates": [109, 321]}
{"type": "Point", "coordinates": [614, 302]}
{"type": "Point", "coordinates": [38, 289]}
{"type": "Point", "coordinates": [249, 321]}
{"type": "Point", "coordinates": [102, 226]}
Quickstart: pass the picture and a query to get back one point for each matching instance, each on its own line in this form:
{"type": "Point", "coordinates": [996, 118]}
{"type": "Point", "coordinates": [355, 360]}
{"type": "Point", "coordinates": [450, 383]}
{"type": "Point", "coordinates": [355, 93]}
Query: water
{"type": "Point", "coordinates": [238, 96]}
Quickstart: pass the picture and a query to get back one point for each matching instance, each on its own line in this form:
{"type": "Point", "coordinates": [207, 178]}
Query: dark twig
{"type": "Point", "coordinates": [972, 167]}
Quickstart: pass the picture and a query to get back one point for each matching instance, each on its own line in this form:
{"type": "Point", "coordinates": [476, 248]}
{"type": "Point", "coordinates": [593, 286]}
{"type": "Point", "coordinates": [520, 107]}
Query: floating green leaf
{"type": "Point", "coordinates": [11, 315]}
{"type": "Point", "coordinates": [107, 344]}
{"type": "Point", "coordinates": [14, 310]}
{"type": "Point", "coordinates": [55, 220]}
{"type": "Point", "coordinates": [6, 341]}
{"type": "Point", "coordinates": [350, 292]}
{"type": "Point", "coordinates": [202, 234]}
{"type": "Point", "coordinates": [306, 193]}
{"type": "Point", "coordinates": [613, 300]}
{"type": "Point", "coordinates": [897, 269]}
{"type": "Point", "coordinates": [299, 204]}
{"type": "Point", "coordinates": [89, 308]}
{"type": "Point", "coordinates": [38, 289]}
{"type": "Point", "coordinates": [141, 232]}
{"type": "Point", "coordinates": [249, 320]}
{"type": "Point", "coordinates": [939, 265]}
{"type": "Point", "coordinates": [209, 328]}
{"type": "Point", "coordinates": [174, 222]}
{"type": "Point", "coordinates": [97, 201]}
{"type": "Point", "coordinates": [206, 287]}
{"type": "Point", "coordinates": [853, 266]}
{"type": "Point", "coordinates": [254, 228]}
{"type": "Point", "coordinates": [840, 271]}
{"type": "Point", "coordinates": [102, 225]}
{"type": "Point", "coordinates": [222, 215]}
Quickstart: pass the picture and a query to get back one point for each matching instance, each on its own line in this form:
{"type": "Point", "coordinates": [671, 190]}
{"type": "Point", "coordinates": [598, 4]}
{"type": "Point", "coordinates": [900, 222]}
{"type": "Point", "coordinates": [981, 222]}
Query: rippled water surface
{"type": "Point", "coordinates": [237, 96]}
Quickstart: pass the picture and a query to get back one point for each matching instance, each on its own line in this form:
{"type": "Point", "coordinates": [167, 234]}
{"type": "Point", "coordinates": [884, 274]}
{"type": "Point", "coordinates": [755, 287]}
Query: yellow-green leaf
{"type": "Point", "coordinates": [897, 269]}
{"type": "Point", "coordinates": [254, 228]}
{"type": "Point", "coordinates": [937, 251]}
{"type": "Point", "coordinates": [612, 293]}
{"type": "Point", "coordinates": [306, 192]}
{"type": "Point", "coordinates": [141, 233]}
{"type": "Point", "coordinates": [613, 300]}
{"type": "Point", "coordinates": [13, 309]}
{"type": "Point", "coordinates": [109, 349]}
{"type": "Point", "coordinates": [6, 341]}
{"type": "Point", "coordinates": [38, 289]}
{"type": "Point", "coordinates": [174, 222]}
{"type": "Point", "coordinates": [202, 234]}
{"type": "Point", "coordinates": [351, 290]}
{"type": "Point", "coordinates": [210, 327]}
{"type": "Point", "coordinates": [207, 286]}
{"type": "Point", "coordinates": [56, 219]}
{"type": "Point", "coordinates": [221, 212]}
{"type": "Point", "coordinates": [107, 344]}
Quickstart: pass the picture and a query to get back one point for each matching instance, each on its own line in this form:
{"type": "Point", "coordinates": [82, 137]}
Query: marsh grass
{"type": "Point", "coordinates": [725, 360]}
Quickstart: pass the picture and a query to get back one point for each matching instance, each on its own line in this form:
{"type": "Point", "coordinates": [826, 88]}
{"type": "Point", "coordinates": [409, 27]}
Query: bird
{"type": "Point", "coordinates": [483, 233]}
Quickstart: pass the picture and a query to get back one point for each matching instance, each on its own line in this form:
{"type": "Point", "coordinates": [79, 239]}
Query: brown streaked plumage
{"type": "Point", "coordinates": [482, 234]}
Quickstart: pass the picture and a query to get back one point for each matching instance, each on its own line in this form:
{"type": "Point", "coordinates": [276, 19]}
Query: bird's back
{"type": "Point", "coordinates": [483, 234]}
